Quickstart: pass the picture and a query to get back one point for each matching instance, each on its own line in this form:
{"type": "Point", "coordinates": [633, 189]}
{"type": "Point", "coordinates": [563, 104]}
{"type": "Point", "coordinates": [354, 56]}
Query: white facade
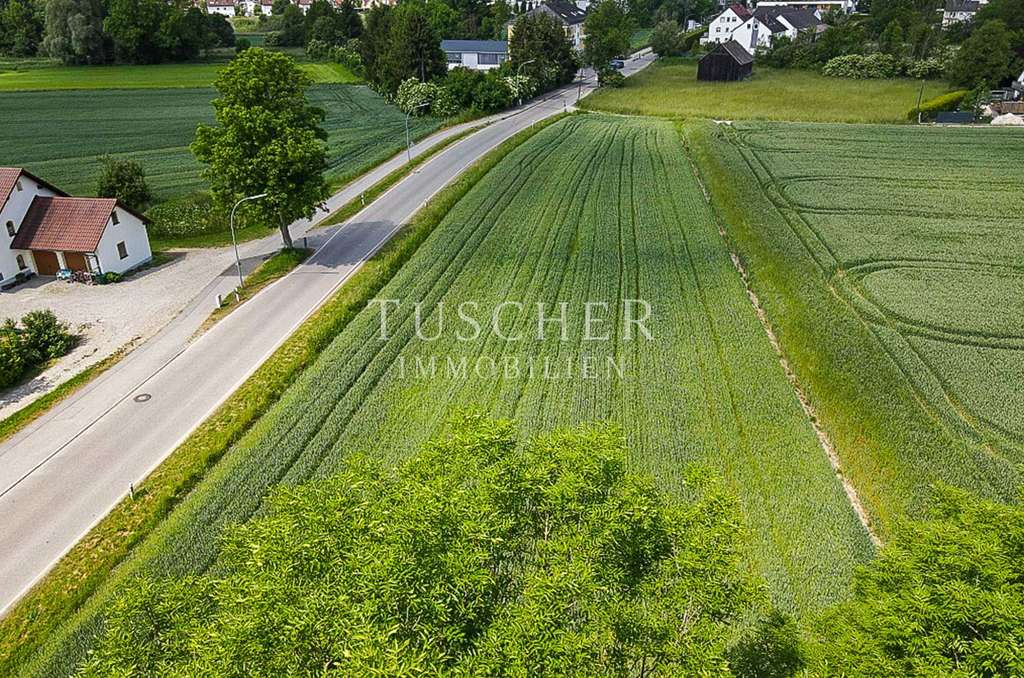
{"type": "Point", "coordinates": [820, 7]}
{"type": "Point", "coordinates": [128, 237]}
{"type": "Point", "coordinates": [473, 61]}
{"type": "Point", "coordinates": [12, 213]}
{"type": "Point", "coordinates": [223, 9]}
{"type": "Point", "coordinates": [722, 26]}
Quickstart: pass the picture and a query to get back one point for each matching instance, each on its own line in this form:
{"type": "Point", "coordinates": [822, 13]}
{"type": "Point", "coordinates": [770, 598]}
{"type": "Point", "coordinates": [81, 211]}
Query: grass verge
{"type": "Point", "coordinates": [275, 267]}
{"type": "Point", "coordinates": [33, 632]}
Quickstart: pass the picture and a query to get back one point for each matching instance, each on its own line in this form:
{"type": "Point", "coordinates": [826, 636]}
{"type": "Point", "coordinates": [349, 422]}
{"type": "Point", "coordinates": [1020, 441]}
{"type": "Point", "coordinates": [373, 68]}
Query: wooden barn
{"type": "Point", "coordinates": [727, 61]}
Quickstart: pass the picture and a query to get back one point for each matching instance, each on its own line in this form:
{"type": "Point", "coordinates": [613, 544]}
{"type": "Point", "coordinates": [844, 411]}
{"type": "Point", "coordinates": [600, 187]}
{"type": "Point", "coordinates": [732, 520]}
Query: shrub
{"type": "Point", "coordinates": [477, 556]}
{"type": "Point", "coordinates": [318, 49]}
{"type": "Point", "coordinates": [125, 180]}
{"type": "Point", "coordinates": [492, 94]}
{"type": "Point", "coordinates": [609, 77]}
{"type": "Point", "coordinates": [462, 83]}
{"type": "Point", "coordinates": [112, 277]}
{"type": "Point", "coordinates": [348, 56]}
{"type": "Point", "coordinates": [186, 216]}
{"type": "Point", "coordinates": [667, 38]}
{"type": "Point", "coordinates": [864, 66]}
{"type": "Point", "coordinates": [945, 102]}
{"type": "Point", "coordinates": [242, 44]}
{"type": "Point", "coordinates": [520, 86]}
{"type": "Point", "coordinates": [43, 337]}
{"type": "Point", "coordinates": [12, 363]}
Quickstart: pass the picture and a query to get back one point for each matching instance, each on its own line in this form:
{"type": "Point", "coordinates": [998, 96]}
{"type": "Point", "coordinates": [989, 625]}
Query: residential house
{"type": "Point", "coordinates": [728, 61]}
{"type": "Point", "coordinates": [46, 230]}
{"type": "Point", "coordinates": [722, 26]}
{"type": "Point", "coordinates": [768, 24]}
{"type": "Point", "coordinates": [366, 5]}
{"type": "Point", "coordinates": [225, 7]}
{"type": "Point", "coordinates": [957, 11]}
{"type": "Point", "coordinates": [820, 7]}
{"type": "Point", "coordinates": [479, 55]}
{"type": "Point", "coordinates": [567, 14]}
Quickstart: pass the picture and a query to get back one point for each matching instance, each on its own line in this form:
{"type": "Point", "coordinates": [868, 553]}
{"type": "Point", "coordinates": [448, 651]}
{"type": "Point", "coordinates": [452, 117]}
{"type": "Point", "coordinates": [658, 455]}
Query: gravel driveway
{"type": "Point", "coordinates": [109, 316]}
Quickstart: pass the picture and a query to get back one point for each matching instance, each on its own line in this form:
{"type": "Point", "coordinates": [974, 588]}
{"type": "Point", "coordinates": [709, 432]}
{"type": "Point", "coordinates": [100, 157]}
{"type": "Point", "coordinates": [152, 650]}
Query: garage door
{"type": "Point", "coordinates": [46, 262]}
{"type": "Point", "coordinates": [75, 261]}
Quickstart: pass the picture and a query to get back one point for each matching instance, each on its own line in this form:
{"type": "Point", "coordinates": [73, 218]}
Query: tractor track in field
{"type": "Point", "coordinates": [823, 439]}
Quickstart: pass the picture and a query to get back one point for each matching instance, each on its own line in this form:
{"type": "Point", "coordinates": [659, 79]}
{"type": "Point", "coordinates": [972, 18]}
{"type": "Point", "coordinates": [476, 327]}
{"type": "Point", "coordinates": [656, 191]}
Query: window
{"type": "Point", "coordinates": [10, 228]}
{"type": "Point", "coordinates": [454, 57]}
{"type": "Point", "coordinates": [486, 58]}
{"type": "Point", "coordinates": [122, 251]}
{"type": "Point", "coordinates": [113, 218]}
{"type": "Point", "coordinates": [17, 185]}
{"type": "Point", "coordinates": [21, 263]}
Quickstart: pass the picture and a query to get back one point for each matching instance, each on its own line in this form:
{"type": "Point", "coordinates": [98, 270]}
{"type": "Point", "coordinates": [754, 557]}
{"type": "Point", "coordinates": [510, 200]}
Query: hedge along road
{"type": "Point", "coordinates": [64, 473]}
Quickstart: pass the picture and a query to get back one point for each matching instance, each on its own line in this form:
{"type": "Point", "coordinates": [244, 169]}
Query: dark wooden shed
{"type": "Point", "coordinates": [728, 61]}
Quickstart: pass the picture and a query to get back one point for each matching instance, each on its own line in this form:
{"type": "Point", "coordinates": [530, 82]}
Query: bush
{"type": "Point", "coordinates": [520, 86]}
{"type": "Point", "coordinates": [125, 180]}
{"type": "Point", "coordinates": [610, 77]}
{"type": "Point", "coordinates": [492, 94]}
{"type": "Point", "coordinates": [242, 44]}
{"type": "Point", "coordinates": [479, 555]}
{"type": "Point", "coordinates": [12, 363]}
{"type": "Point", "coordinates": [945, 102]}
{"type": "Point", "coordinates": [112, 277]}
{"type": "Point", "coordinates": [462, 83]}
{"type": "Point", "coordinates": [39, 339]}
{"type": "Point", "coordinates": [187, 216]}
{"type": "Point", "coordinates": [318, 49]}
{"type": "Point", "coordinates": [864, 66]}
{"type": "Point", "coordinates": [667, 38]}
{"type": "Point", "coordinates": [420, 98]}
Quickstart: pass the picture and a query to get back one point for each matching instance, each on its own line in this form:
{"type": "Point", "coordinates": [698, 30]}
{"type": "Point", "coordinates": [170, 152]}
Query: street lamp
{"type": "Point", "coordinates": [231, 223]}
{"type": "Point", "coordinates": [519, 69]}
{"type": "Point", "coordinates": [408, 140]}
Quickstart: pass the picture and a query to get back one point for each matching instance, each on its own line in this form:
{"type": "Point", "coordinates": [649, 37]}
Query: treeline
{"type": "Point", "coordinates": [906, 38]}
{"type": "Point", "coordinates": [105, 31]}
{"type": "Point", "coordinates": [487, 555]}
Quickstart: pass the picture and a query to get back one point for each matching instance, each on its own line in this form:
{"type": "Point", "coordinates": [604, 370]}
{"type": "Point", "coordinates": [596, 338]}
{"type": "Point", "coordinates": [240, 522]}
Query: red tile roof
{"type": "Point", "coordinates": [741, 11]}
{"type": "Point", "coordinates": [8, 176]}
{"type": "Point", "coordinates": [64, 224]}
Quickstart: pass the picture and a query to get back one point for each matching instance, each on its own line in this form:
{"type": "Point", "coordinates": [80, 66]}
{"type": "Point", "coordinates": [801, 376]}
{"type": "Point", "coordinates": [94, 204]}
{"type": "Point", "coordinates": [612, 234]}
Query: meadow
{"type": "Point", "coordinates": [889, 260]}
{"type": "Point", "coordinates": [669, 88]}
{"type": "Point", "coordinates": [60, 135]}
{"type": "Point", "coordinates": [40, 74]}
{"type": "Point", "coordinates": [591, 209]}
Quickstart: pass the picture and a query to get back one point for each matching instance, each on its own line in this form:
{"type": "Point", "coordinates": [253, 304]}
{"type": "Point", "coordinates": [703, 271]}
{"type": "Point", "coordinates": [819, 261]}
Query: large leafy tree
{"type": "Point", "coordinates": [478, 556]}
{"type": "Point", "coordinates": [945, 598]}
{"type": "Point", "coordinates": [373, 46]}
{"type": "Point", "coordinates": [414, 47]}
{"type": "Point", "coordinates": [134, 26]}
{"type": "Point", "coordinates": [74, 31]}
{"type": "Point", "coordinates": [608, 29]}
{"type": "Point", "coordinates": [986, 58]}
{"type": "Point", "coordinates": [541, 40]}
{"type": "Point", "coordinates": [268, 139]}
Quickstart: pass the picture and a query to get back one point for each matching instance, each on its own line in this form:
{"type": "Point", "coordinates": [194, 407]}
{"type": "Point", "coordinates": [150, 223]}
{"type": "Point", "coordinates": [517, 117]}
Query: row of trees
{"type": "Point", "coordinates": [100, 31]}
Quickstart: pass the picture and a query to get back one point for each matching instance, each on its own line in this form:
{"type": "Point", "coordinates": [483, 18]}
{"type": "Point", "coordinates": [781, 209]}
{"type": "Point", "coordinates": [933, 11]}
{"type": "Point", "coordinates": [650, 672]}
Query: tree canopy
{"type": "Point", "coordinates": [267, 139]}
{"type": "Point", "coordinates": [541, 40]}
{"type": "Point", "coordinates": [480, 555]}
{"type": "Point", "coordinates": [608, 29]}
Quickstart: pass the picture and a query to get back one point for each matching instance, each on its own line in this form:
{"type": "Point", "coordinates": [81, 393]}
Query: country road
{"type": "Point", "coordinates": [63, 473]}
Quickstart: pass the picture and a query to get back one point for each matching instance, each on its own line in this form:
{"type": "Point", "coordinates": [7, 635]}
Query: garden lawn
{"type": "Point", "coordinates": [669, 88]}
{"type": "Point", "coordinates": [35, 76]}
{"type": "Point", "coordinates": [888, 259]}
{"type": "Point", "coordinates": [61, 135]}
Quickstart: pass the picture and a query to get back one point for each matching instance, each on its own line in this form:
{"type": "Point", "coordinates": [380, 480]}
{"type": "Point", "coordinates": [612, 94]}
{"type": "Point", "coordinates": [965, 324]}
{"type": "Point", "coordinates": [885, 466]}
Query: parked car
{"type": "Point", "coordinates": [618, 64]}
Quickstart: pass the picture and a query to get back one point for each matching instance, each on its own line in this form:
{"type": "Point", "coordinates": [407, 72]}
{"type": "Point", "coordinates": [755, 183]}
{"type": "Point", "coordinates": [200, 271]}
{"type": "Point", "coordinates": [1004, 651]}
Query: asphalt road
{"type": "Point", "coordinates": [62, 474]}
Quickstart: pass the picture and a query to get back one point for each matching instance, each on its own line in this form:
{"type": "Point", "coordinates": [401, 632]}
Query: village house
{"type": "Point", "coordinates": [478, 55]}
{"type": "Point", "coordinates": [768, 24]}
{"type": "Point", "coordinates": [722, 26]}
{"type": "Point", "coordinates": [958, 11]}
{"type": "Point", "coordinates": [47, 231]}
{"type": "Point", "coordinates": [820, 7]}
{"type": "Point", "coordinates": [567, 14]}
{"type": "Point", "coordinates": [225, 7]}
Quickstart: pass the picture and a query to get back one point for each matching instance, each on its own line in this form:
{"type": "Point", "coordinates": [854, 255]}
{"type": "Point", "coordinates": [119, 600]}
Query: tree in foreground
{"type": "Point", "coordinates": [945, 598]}
{"type": "Point", "coordinates": [985, 59]}
{"type": "Point", "coordinates": [608, 29]}
{"type": "Point", "coordinates": [125, 180]}
{"type": "Point", "coordinates": [477, 556]}
{"type": "Point", "coordinates": [268, 139]}
{"type": "Point", "coordinates": [538, 43]}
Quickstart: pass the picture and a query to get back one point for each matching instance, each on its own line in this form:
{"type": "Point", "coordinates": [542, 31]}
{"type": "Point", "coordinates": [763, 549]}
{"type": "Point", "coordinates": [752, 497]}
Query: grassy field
{"type": "Point", "coordinates": [61, 135]}
{"type": "Point", "coordinates": [38, 75]}
{"type": "Point", "coordinates": [889, 259]}
{"type": "Point", "coordinates": [669, 88]}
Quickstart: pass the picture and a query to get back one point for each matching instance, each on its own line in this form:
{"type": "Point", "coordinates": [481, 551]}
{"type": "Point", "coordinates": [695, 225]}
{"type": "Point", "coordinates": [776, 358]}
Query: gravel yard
{"type": "Point", "coordinates": [108, 317]}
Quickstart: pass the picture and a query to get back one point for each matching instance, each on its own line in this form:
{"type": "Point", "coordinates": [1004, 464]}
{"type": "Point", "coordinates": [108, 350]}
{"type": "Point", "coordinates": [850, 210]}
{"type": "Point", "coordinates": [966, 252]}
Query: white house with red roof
{"type": "Point", "coordinates": [46, 231]}
{"type": "Point", "coordinates": [722, 26]}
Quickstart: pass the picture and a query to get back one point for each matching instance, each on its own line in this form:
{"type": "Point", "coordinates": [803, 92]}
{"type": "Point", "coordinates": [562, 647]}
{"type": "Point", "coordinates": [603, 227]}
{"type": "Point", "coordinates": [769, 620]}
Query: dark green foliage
{"type": "Point", "coordinates": [413, 48]}
{"type": "Point", "coordinates": [21, 28]}
{"type": "Point", "coordinates": [608, 29]}
{"type": "Point", "coordinates": [125, 180]}
{"type": "Point", "coordinates": [279, 6]}
{"type": "Point", "coordinates": [39, 339]}
{"type": "Point", "coordinates": [477, 556]}
{"type": "Point", "coordinates": [541, 39]}
{"type": "Point", "coordinates": [221, 31]}
{"type": "Point", "coordinates": [666, 38]}
{"type": "Point", "coordinates": [492, 27]}
{"type": "Point", "coordinates": [491, 94]}
{"type": "Point", "coordinates": [771, 649]}
{"type": "Point", "coordinates": [891, 39]}
{"type": "Point", "coordinates": [944, 598]}
{"type": "Point", "coordinates": [985, 59]}
{"type": "Point", "coordinates": [242, 44]}
{"type": "Point", "coordinates": [681, 10]}
{"type": "Point", "coordinates": [373, 46]}
{"type": "Point", "coordinates": [609, 77]}
{"type": "Point", "coordinates": [293, 27]}
{"type": "Point", "coordinates": [462, 84]}
{"type": "Point", "coordinates": [268, 140]}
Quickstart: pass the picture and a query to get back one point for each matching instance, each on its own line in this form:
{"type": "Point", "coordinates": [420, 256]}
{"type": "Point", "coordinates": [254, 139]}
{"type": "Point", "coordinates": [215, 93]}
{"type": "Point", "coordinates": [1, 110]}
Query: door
{"type": "Point", "coordinates": [75, 261]}
{"type": "Point", "coordinates": [46, 262]}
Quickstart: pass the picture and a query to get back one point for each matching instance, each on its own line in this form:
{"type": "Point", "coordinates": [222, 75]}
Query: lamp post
{"type": "Point", "coordinates": [519, 70]}
{"type": "Point", "coordinates": [408, 140]}
{"type": "Point", "coordinates": [234, 242]}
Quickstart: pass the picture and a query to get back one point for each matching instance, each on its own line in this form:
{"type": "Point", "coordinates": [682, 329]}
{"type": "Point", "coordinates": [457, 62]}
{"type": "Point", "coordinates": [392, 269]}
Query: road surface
{"type": "Point", "coordinates": [62, 474]}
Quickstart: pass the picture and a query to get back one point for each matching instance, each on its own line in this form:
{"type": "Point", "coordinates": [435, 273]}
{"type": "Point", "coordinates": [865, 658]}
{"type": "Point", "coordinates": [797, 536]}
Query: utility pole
{"type": "Point", "coordinates": [234, 241]}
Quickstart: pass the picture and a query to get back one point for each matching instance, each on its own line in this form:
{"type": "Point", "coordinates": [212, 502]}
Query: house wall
{"type": "Point", "coordinates": [132, 232]}
{"type": "Point", "coordinates": [14, 210]}
{"type": "Point", "coordinates": [820, 6]}
{"type": "Point", "coordinates": [721, 29]}
{"type": "Point", "coordinates": [226, 10]}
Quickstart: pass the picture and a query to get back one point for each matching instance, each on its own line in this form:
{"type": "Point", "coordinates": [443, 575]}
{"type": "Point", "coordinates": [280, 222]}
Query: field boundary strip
{"type": "Point", "coordinates": [823, 438]}
{"type": "Point", "coordinates": [70, 589]}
